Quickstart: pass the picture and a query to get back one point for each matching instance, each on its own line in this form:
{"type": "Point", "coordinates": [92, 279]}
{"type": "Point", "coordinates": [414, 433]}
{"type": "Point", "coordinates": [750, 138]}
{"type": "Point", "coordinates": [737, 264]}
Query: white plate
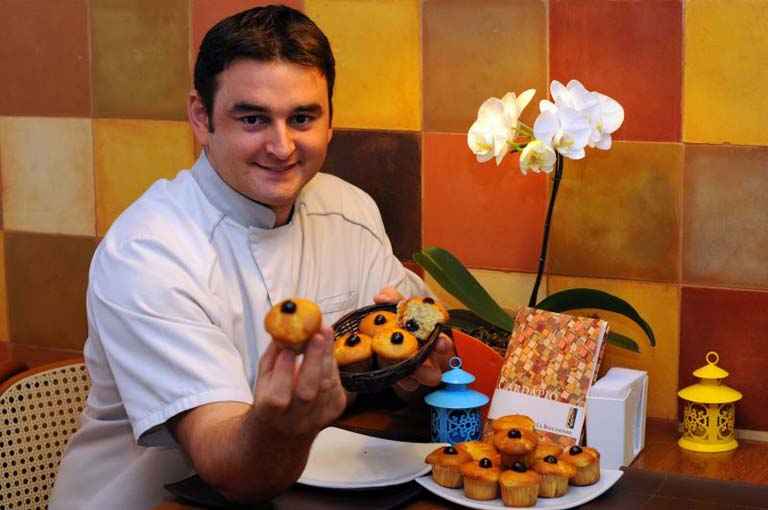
{"type": "Point", "coordinates": [340, 459]}
{"type": "Point", "coordinates": [574, 497]}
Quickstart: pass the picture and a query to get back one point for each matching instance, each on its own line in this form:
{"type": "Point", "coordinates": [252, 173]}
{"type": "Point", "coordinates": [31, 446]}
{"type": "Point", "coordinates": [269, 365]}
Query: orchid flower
{"type": "Point", "coordinates": [605, 115]}
{"type": "Point", "coordinates": [488, 136]}
{"type": "Point", "coordinates": [562, 128]}
{"type": "Point", "coordinates": [537, 156]}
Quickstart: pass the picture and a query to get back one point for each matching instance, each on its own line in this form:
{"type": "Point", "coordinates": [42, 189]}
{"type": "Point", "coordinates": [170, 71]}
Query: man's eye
{"type": "Point", "coordinates": [253, 120]}
{"type": "Point", "coordinates": [302, 119]}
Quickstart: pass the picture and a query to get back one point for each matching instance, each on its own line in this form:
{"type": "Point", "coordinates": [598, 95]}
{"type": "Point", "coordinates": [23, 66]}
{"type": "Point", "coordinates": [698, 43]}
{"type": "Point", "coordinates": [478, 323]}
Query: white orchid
{"type": "Point", "coordinates": [537, 157]}
{"type": "Point", "coordinates": [562, 128]}
{"type": "Point", "coordinates": [488, 136]}
{"type": "Point", "coordinates": [496, 126]}
{"type": "Point", "coordinates": [605, 115]}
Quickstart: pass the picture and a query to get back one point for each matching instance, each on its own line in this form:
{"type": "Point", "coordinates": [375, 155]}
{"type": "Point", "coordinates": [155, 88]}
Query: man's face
{"type": "Point", "coordinates": [271, 130]}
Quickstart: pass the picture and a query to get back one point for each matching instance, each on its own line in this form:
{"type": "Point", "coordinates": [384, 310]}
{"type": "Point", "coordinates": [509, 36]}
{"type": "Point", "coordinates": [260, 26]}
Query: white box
{"type": "Point", "coordinates": [616, 411]}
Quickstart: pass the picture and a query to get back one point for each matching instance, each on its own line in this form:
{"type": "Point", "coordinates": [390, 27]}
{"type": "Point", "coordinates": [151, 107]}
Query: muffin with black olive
{"type": "Point", "coordinates": [519, 486]}
{"type": "Point", "coordinates": [587, 463]}
{"type": "Point", "coordinates": [354, 352]}
{"type": "Point", "coordinates": [393, 346]}
{"type": "Point", "coordinates": [446, 466]}
{"type": "Point", "coordinates": [555, 475]}
{"type": "Point", "coordinates": [378, 321]}
{"type": "Point", "coordinates": [481, 479]}
{"type": "Point", "coordinates": [420, 315]}
{"type": "Point", "coordinates": [515, 445]}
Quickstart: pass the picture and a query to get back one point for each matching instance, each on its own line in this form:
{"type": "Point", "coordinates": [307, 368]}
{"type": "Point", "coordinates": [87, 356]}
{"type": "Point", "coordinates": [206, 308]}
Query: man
{"type": "Point", "coordinates": [184, 377]}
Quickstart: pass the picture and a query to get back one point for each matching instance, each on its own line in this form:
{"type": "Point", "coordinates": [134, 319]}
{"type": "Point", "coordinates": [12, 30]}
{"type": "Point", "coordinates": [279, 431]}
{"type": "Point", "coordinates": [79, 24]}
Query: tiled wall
{"type": "Point", "coordinates": [673, 218]}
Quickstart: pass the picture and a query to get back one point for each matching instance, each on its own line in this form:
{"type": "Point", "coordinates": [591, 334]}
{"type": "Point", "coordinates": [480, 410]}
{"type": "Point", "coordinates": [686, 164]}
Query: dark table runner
{"type": "Point", "coordinates": [637, 489]}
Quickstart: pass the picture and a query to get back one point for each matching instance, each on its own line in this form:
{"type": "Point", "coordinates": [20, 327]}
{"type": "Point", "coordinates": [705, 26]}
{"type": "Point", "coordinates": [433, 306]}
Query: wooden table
{"type": "Point", "coordinates": [663, 476]}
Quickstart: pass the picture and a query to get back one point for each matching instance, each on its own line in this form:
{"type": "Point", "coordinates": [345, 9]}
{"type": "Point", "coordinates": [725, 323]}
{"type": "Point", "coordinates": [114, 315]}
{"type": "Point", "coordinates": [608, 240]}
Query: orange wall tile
{"type": "Point", "coordinates": [725, 55]}
{"type": "Point", "coordinates": [4, 336]}
{"type": "Point", "coordinates": [489, 217]}
{"type": "Point", "coordinates": [129, 155]}
{"type": "Point", "coordinates": [377, 50]}
{"type": "Point", "coordinates": [45, 58]}
{"type": "Point", "coordinates": [659, 305]}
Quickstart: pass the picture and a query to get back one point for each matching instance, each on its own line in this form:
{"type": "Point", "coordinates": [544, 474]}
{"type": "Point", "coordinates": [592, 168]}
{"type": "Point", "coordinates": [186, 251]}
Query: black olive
{"type": "Point", "coordinates": [429, 300]}
{"type": "Point", "coordinates": [514, 434]}
{"type": "Point", "coordinates": [396, 338]}
{"type": "Point", "coordinates": [450, 450]}
{"type": "Point", "coordinates": [519, 467]}
{"type": "Point", "coordinates": [379, 320]}
{"type": "Point", "coordinates": [288, 306]}
{"type": "Point", "coordinates": [575, 450]}
{"type": "Point", "coordinates": [411, 325]}
{"type": "Point", "coordinates": [352, 340]}
{"type": "Point", "coordinates": [485, 462]}
{"type": "Point", "coordinates": [551, 459]}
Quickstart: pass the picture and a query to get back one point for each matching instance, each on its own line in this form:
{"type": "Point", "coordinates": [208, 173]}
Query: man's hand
{"type": "Point", "coordinates": [254, 452]}
{"type": "Point", "coordinates": [430, 372]}
{"type": "Point", "coordinates": [300, 402]}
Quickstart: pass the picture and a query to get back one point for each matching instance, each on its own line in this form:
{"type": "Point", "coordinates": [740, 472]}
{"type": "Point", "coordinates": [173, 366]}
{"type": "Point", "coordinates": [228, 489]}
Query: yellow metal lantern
{"type": "Point", "coordinates": [709, 418]}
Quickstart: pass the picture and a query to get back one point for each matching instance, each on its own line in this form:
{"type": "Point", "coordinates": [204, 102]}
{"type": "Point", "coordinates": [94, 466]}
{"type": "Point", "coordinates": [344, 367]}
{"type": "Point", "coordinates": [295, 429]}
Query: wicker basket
{"type": "Point", "coordinates": [377, 380]}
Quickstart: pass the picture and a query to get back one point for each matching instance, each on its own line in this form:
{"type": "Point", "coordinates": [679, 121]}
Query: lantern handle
{"type": "Point", "coordinates": [712, 358]}
{"type": "Point", "coordinates": [454, 362]}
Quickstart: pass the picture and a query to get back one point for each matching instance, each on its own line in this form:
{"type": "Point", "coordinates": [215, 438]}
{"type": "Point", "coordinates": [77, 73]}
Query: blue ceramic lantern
{"type": "Point", "coordinates": [455, 408]}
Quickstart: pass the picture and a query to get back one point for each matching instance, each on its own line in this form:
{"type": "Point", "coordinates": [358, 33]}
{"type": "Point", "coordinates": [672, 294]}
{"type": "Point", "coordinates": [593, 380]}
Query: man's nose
{"type": "Point", "coordinates": [281, 143]}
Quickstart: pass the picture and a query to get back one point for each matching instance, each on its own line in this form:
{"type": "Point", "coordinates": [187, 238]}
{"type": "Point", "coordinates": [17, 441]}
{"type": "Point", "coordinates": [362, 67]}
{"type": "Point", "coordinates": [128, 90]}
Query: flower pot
{"type": "Point", "coordinates": [481, 361]}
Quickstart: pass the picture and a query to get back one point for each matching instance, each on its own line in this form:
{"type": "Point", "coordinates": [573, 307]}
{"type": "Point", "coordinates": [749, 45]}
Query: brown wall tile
{"type": "Point", "coordinates": [489, 216]}
{"type": "Point", "coordinates": [734, 324]}
{"type": "Point", "coordinates": [45, 58]}
{"type": "Point", "coordinates": [386, 165]}
{"type": "Point", "coordinates": [476, 50]}
{"type": "Point", "coordinates": [631, 51]}
{"type": "Point", "coordinates": [725, 229]}
{"type": "Point", "coordinates": [47, 277]}
{"type": "Point", "coordinates": [618, 214]}
{"type": "Point", "coordinates": [140, 58]}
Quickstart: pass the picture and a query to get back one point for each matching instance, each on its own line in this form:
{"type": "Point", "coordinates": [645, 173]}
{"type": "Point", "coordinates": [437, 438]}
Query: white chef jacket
{"type": "Point", "coordinates": [177, 294]}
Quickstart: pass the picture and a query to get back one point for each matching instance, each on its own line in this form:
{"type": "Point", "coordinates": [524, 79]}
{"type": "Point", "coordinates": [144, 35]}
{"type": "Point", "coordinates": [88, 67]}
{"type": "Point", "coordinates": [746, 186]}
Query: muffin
{"type": "Point", "coordinates": [543, 449]}
{"type": "Point", "coordinates": [513, 421]}
{"type": "Point", "coordinates": [292, 322]}
{"type": "Point", "coordinates": [479, 449]}
{"type": "Point", "coordinates": [587, 463]}
{"type": "Point", "coordinates": [376, 322]}
{"type": "Point", "coordinates": [420, 315]}
{"type": "Point", "coordinates": [353, 352]}
{"type": "Point", "coordinates": [515, 445]}
{"type": "Point", "coordinates": [481, 479]}
{"type": "Point", "coordinates": [519, 486]}
{"type": "Point", "coordinates": [554, 476]}
{"type": "Point", "coordinates": [394, 346]}
{"type": "Point", "coordinates": [446, 466]}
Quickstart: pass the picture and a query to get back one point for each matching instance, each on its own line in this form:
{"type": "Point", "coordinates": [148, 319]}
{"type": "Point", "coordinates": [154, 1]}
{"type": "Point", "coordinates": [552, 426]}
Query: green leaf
{"type": "Point", "coordinates": [622, 341]}
{"type": "Point", "coordinates": [451, 274]}
{"type": "Point", "coordinates": [572, 299]}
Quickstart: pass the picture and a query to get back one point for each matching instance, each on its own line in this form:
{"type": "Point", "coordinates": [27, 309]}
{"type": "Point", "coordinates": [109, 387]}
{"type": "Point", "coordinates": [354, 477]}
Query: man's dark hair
{"type": "Point", "coordinates": [274, 32]}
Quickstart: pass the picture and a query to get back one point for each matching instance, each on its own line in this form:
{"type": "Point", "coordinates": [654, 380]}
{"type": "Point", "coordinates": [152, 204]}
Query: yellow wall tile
{"type": "Point", "coordinates": [377, 49]}
{"type": "Point", "coordinates": [724, 68]}
{"type": "Point", "coordinates": [659, 305]}
{"type": "Point", "coordinates": [4, 337]}
{"type": "Point", "coordinates": [129, 155]}
{"type": "Point", "coordinates": [509, 290]}
{"type": "Point", "coordinates": [47, 175]}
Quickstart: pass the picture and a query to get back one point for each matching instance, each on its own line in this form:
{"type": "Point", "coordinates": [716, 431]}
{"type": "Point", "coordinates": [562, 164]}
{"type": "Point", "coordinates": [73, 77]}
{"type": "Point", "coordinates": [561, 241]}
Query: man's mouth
{"type": "Point", "coordinates": [276, 168]}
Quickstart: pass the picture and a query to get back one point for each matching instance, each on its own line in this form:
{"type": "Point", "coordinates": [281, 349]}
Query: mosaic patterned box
{"type": "Point", "coordinates": [550, 364]}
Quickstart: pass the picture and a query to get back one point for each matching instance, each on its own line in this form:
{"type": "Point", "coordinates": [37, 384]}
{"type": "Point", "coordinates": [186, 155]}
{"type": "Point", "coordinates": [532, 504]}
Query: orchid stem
{"type": "Point", "coordinates": [543, 256]}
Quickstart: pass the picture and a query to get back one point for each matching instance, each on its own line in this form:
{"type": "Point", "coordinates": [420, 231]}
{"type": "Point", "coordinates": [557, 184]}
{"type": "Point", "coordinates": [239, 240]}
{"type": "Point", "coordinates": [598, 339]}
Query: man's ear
{"type": "Point", "coordinates": [330, 135]}
{"type": "Point", "coordinates": [198, 118]}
